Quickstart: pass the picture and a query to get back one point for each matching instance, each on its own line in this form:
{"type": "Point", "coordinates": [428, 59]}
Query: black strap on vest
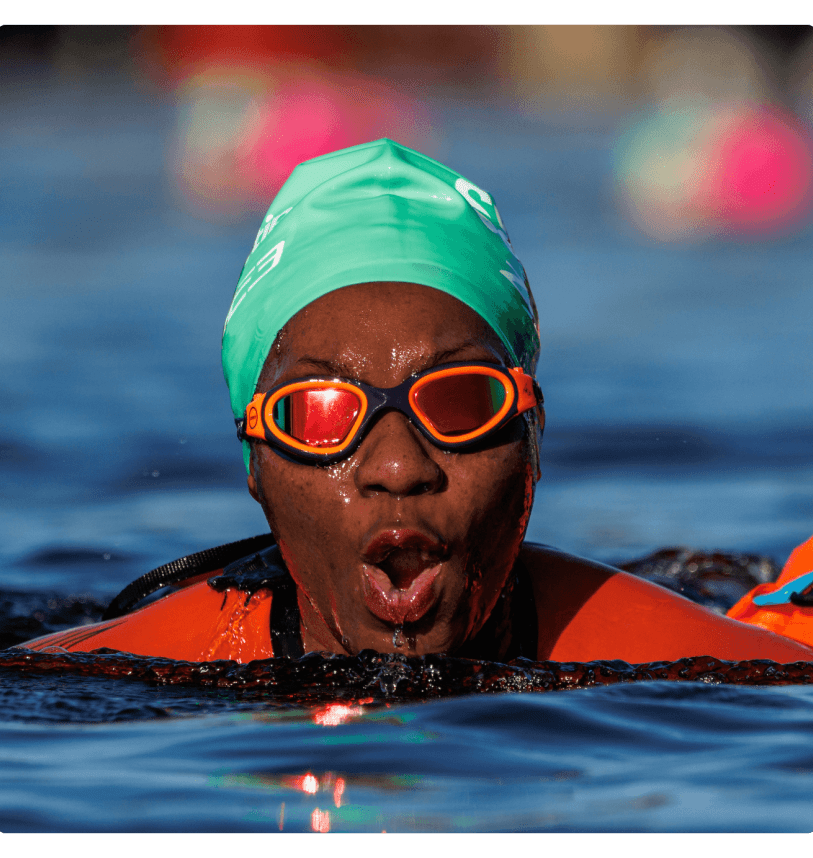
{"type": "Point", "coordinates": [525, 619]}
{"type": "Point", "coordinates": [209, 560]}
{"type": "Point", "coordinates": [804, 598]}
{"type": "Point", "coordinates": [266, 570]}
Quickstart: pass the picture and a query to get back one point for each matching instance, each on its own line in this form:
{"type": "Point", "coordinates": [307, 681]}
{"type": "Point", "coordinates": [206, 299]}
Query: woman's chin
{"type": "Point", "coordinates": [403, 640]}
{"type": "Point", "coordinates": [353, 624]}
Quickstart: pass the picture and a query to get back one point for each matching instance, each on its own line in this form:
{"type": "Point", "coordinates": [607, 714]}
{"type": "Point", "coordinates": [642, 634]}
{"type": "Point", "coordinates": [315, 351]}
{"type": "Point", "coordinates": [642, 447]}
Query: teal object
{"type": "Point", "coordinates": [374, 212]}
{"type": "Point", "coordinates": [783, 594]}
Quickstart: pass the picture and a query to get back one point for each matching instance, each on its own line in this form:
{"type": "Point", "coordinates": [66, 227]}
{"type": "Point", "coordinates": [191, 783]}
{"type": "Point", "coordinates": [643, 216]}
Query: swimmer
{"type": "Point", "coordinates": [381, 352]}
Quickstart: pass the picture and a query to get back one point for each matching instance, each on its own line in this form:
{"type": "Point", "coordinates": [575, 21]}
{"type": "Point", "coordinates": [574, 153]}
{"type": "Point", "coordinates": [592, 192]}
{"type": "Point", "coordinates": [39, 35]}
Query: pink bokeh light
{"type": "Point", "coordinates": [759, 171]}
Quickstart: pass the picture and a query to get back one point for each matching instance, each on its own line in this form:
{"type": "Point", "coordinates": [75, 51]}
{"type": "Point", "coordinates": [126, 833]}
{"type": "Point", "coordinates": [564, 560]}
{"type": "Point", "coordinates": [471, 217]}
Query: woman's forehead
{"type": "Point", "coordinates": [381, 329]}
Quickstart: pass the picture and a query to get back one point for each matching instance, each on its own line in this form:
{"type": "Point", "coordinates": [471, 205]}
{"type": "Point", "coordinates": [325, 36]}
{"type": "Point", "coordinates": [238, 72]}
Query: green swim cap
{"type": "Point", "coordinates": [370, 213]}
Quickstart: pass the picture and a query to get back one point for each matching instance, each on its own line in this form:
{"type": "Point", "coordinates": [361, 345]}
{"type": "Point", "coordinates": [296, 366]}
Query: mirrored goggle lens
{"type": "Point", "coordinates": [317, 417]}
{"type": "Point", "coordinates": [460, 404]}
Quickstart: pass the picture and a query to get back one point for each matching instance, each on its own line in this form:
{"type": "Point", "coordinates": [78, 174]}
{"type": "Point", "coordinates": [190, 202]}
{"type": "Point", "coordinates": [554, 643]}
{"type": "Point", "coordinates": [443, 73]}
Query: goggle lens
{"type": "Point", "coordinates": [318, 417]}
{"type": "Point", "coordinates": [460, 404]}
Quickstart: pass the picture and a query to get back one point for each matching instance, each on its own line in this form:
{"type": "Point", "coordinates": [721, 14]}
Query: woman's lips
{"type": "Point", "coordinates": [388, 603]}
{"type": "Point", "coordinates": [399, 573]}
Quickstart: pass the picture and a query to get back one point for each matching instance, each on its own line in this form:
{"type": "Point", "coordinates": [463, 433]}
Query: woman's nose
{"type": "Point", "coordinates": [392, 459]}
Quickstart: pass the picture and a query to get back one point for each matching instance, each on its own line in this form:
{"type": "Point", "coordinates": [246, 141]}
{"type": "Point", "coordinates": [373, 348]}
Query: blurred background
{"type": "Point", "coordinates": [656, 182]}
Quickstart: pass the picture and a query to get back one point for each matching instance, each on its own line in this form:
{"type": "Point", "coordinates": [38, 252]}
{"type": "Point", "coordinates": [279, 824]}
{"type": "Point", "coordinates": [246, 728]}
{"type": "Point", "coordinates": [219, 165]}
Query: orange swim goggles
{"type": "Point", "coordinates": [320, 419]}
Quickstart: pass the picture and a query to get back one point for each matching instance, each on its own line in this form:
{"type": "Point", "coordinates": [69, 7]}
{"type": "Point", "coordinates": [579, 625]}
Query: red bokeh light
{"type": "Point", "coordinates": [333, 714]}
{"type": "Point", "coordinates": [320, 820]}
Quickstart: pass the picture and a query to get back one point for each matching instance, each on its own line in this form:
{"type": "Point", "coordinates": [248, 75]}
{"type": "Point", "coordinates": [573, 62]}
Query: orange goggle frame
{"type": "Point", "coordinates": [322, 419]}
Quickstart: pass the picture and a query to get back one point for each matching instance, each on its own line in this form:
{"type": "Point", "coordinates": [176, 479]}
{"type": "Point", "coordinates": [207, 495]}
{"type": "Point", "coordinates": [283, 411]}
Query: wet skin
{"type": "Point", "coordinates": [401, 534]}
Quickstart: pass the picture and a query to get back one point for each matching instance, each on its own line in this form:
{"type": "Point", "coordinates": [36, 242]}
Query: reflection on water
{"type": "Point", "coordinates": [327, 787]}
{"type": "Point", "coordinates": [333, 714]}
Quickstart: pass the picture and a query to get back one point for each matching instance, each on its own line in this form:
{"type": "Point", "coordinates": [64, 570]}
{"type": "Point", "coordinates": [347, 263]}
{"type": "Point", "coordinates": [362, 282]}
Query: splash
{"type": "Point", "coordinates": [319, 677]}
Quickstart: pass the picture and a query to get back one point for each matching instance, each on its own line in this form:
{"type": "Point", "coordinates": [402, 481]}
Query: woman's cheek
{"type": "Point", "coordinates": [299, 503]}
{"type": "Point", "coordinates": [490, 499]}
{"type": "Point", "coordinates": [310, 513]}
{"type": "Point", "coordinates": [496, 490]}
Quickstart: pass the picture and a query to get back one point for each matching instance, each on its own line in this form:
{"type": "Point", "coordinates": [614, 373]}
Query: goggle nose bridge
{"type": "Point", "coordinates": [379, 402]}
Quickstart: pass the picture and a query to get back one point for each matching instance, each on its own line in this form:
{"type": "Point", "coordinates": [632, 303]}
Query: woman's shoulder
{"type": "Point", "coordinates": [548, 563]}
{"type": "Point", "coordinates": [588, 610]}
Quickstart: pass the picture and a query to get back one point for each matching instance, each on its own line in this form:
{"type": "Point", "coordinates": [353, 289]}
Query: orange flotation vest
{"type": "Point", "coordinates": [194, 624]}
{"type": "Point", "coordinates": [242, 612]}
{"type": "Point", "coordinates": [784, 606]}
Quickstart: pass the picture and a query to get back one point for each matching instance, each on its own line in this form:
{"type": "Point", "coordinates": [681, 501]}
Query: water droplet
{"type": "Point", "coordinates": [398, 637]}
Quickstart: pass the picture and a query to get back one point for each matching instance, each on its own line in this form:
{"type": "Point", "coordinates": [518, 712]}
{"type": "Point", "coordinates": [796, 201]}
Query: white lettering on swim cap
{"type": "Point", "coordinates": [464, 187]}
{"type": "Point", "coordinates": [271, 259]}
{"type": "Point", "coordinates": [497, 231]}
{"type": "Point", "coordinates": [270, 222]}
{"type": "Point", "coordinates": [520, 283]}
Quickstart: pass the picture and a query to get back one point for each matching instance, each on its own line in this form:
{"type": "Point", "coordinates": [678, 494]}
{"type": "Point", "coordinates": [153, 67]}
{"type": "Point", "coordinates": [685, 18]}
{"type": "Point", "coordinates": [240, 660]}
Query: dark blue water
{"type": "Point", "coordinates": [652, 757]}
{"type": "Point", "coordinates": [677, 385]}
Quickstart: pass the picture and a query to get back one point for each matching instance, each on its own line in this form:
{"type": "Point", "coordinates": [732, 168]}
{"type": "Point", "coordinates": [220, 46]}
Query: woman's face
{"type": "Point", "coordinates": [401, 547]}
